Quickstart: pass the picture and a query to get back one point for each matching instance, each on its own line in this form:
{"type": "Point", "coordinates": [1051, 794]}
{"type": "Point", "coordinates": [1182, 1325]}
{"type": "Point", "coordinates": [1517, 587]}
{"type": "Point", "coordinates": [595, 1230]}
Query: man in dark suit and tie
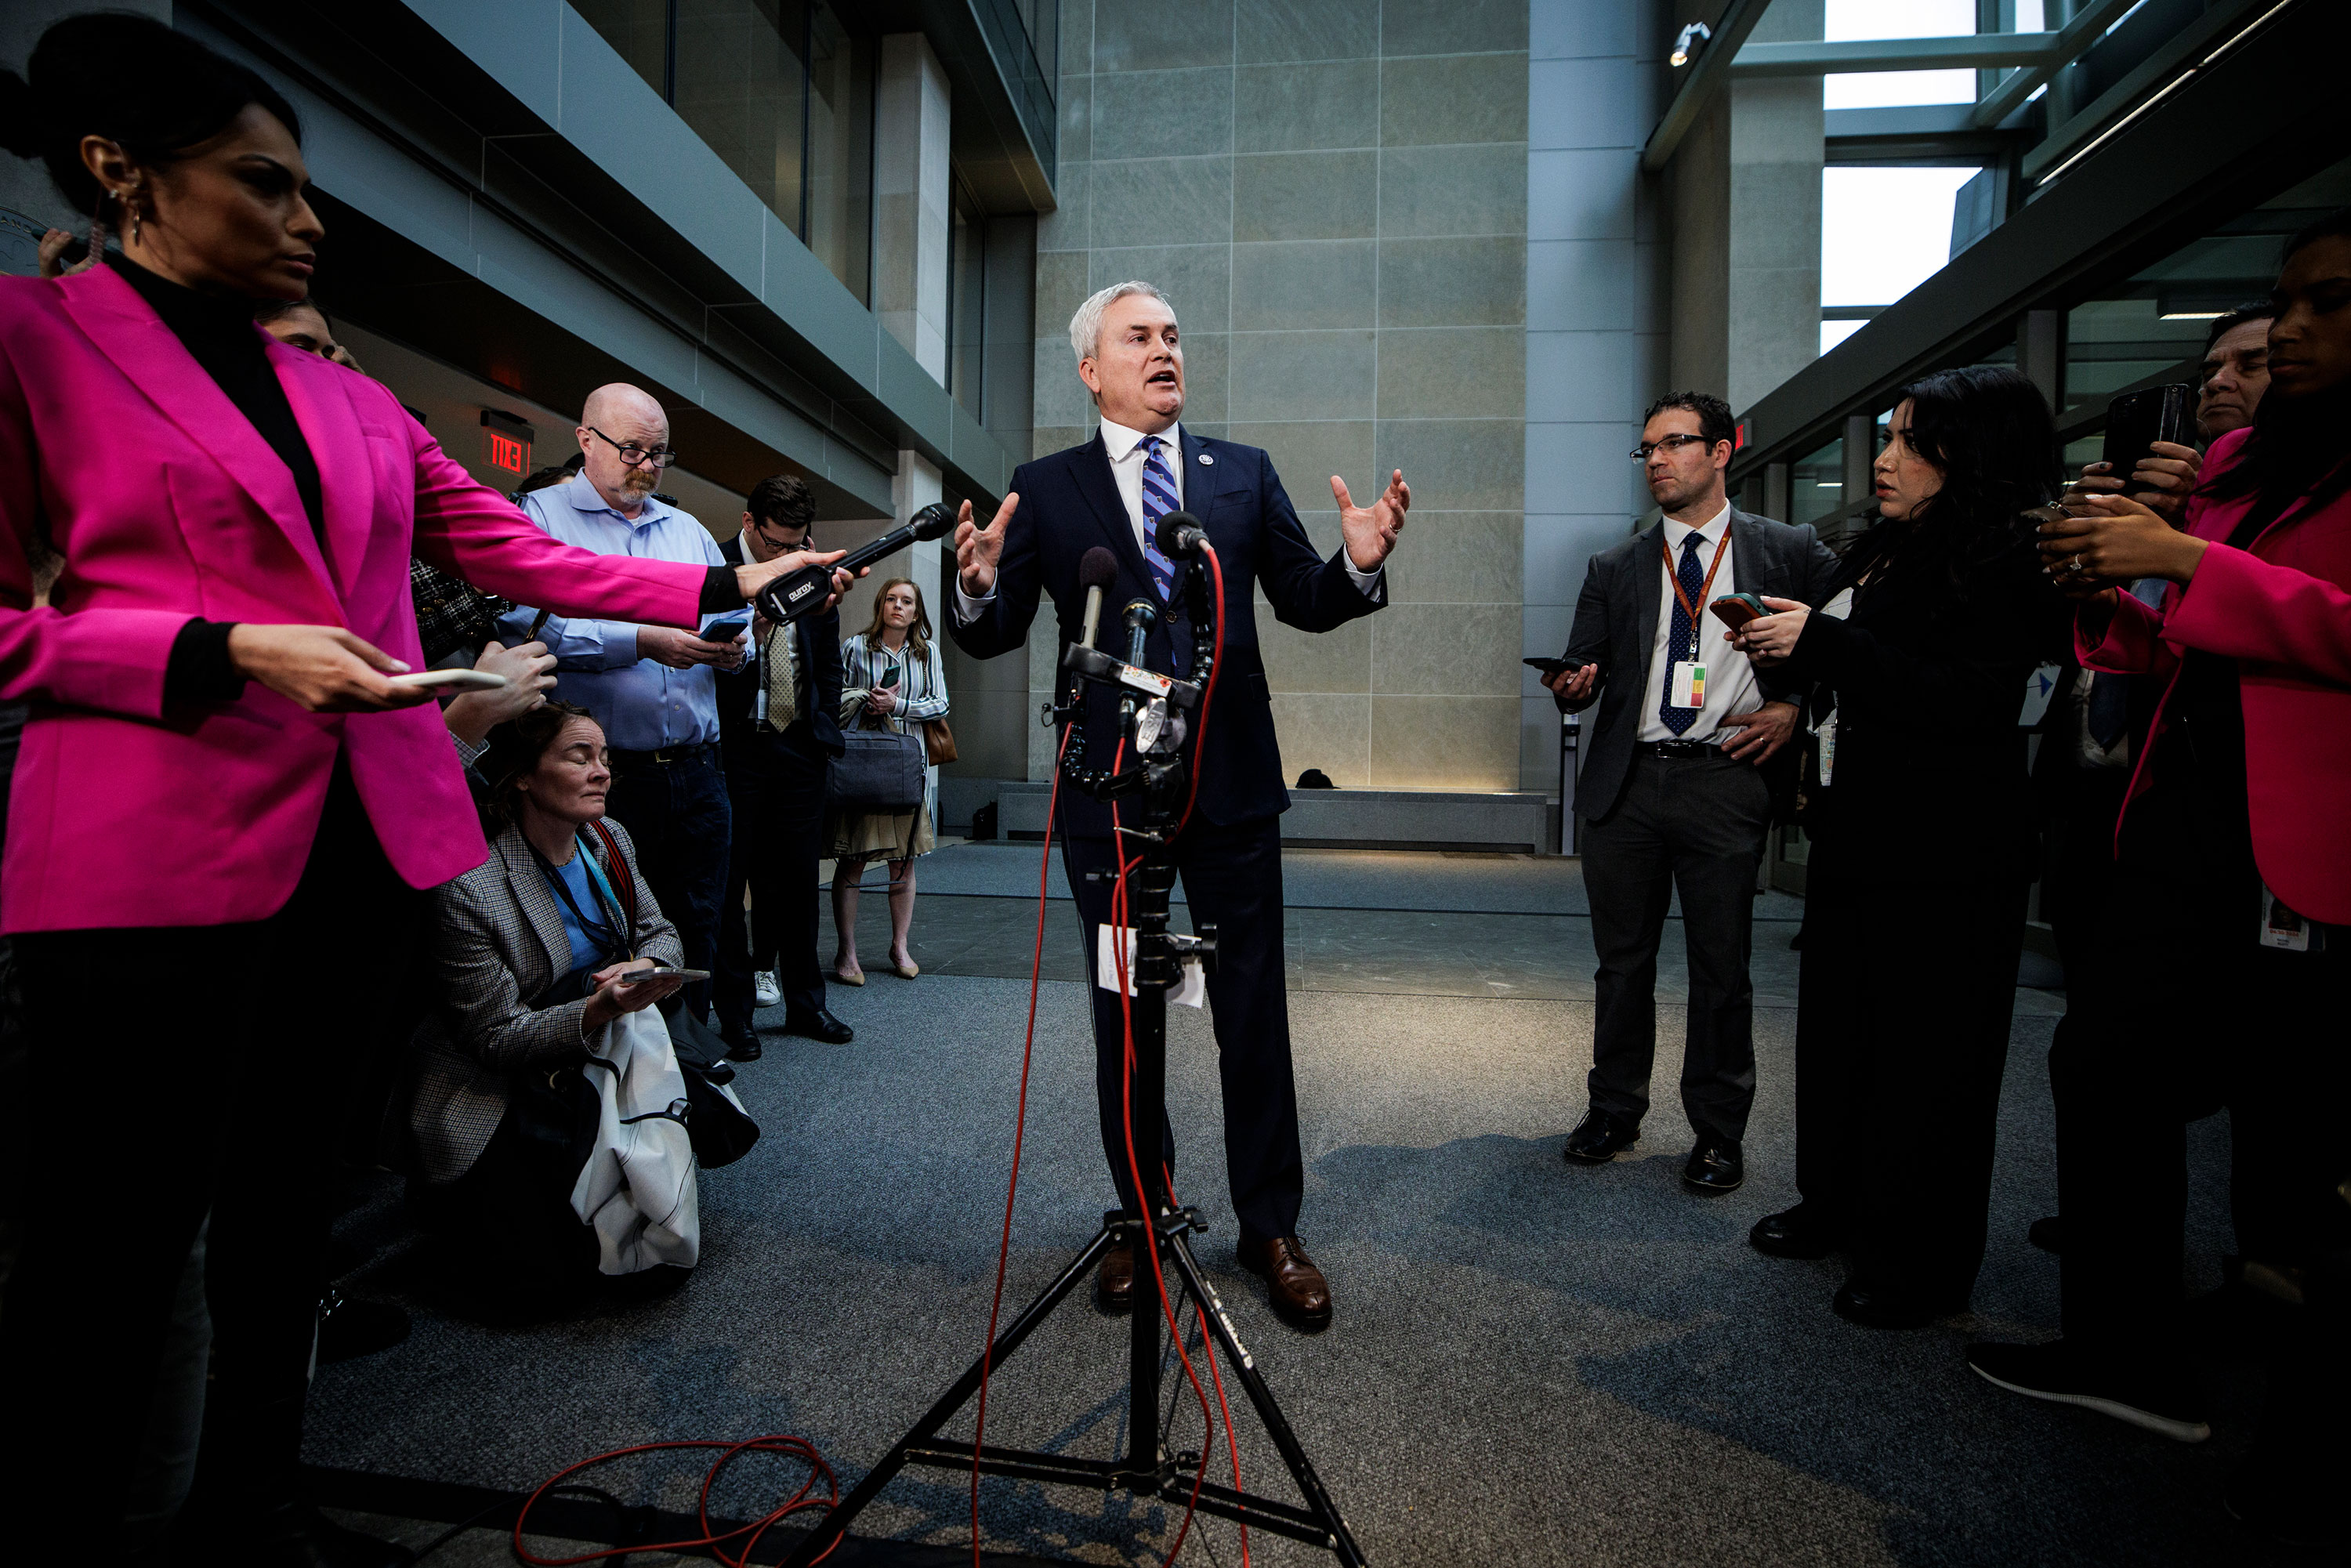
{"type": "Point", "coordinates": [1112, 492]}
{"type": "Point", "coordinates": [1672, 794]}
{"type": "Point", "coordinates": [776, 752]}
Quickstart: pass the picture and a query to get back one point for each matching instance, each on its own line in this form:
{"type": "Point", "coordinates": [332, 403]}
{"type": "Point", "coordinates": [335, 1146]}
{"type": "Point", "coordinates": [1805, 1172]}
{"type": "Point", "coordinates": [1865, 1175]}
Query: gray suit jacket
{"type": "Point", "coordinates": [498, 944]}
{"type": "Point", "coordinates": [1616, 624]}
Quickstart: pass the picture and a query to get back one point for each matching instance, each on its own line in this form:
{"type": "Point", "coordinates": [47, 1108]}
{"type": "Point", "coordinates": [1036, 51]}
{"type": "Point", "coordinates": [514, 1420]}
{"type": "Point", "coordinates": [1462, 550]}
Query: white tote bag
{"type": "Point", "coordinates": [637, 1191]}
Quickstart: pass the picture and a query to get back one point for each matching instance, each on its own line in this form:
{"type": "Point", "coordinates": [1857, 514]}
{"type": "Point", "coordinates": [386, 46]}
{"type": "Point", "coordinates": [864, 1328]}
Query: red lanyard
{"type": "Point", "coordinates": [1706, 588]}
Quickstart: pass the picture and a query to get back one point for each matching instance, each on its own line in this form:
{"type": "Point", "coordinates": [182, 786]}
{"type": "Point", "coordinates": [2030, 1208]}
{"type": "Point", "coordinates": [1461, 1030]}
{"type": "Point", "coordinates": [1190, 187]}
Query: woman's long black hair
{"type": "Point", "coordinates": [1988, 431]}
{"type": "Point", "coordinates": [2297, 446]}
{"type": "Point", "coordinates": [157, 94]}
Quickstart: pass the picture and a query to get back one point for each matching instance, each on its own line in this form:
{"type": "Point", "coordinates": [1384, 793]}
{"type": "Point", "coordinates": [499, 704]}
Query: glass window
{"type": "Point", "coordinates": [783, 92]}
{"type": "Point", "coordinates": [967, 302]}
{"type": "Point", "coordinates": [1885, 231]}
{"type": "Point", "coordinates": [1816, 485]}
{"type": "Point", "coordinates": [638, 30]}
{"type": "Point", "coordinates": [841, 152]}
{"type": "Point", "coordinates": [1911, 20]}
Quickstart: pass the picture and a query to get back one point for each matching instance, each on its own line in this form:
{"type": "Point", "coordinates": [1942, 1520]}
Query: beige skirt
{"type": "Point", "coordinates": [896, 836]}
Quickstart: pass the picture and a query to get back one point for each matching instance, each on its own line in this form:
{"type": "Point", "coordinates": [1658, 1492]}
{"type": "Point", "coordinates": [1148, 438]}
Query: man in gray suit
{"type": "Point", "coordinates": [1672, 792]}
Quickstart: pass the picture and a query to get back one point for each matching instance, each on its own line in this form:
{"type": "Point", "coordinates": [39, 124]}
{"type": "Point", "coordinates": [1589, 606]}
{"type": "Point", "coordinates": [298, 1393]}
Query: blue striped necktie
{"type": "Point", "coordinates": [1159, 499]}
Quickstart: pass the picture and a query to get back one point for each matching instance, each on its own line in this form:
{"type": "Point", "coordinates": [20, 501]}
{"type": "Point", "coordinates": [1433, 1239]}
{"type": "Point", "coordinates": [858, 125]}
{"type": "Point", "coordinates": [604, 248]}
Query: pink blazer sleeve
{"type": "Point", "coordinates": [2247, 608]}
{"type": "Point", "coordinates": [2131, 644]}
{"type": "Point", "coordinates": [465, 528]}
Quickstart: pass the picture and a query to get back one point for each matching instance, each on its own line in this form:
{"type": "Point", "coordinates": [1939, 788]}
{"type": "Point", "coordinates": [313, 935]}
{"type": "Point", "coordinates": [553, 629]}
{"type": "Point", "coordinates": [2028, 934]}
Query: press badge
{"type": "Point", "coordinates": [1689, 689]}
{"type": "Point", "coordinates": [2282, 927]}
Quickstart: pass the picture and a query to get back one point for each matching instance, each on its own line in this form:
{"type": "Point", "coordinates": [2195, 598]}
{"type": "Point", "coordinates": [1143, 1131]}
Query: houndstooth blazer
{"type": "Point", "coordinates": [498, 944]}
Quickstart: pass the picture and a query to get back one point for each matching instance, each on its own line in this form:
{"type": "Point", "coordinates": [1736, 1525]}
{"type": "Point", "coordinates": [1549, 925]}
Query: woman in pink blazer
{"type": "Point", "coordinates": [223, 810]}
{"type": "Point", "coordinates": [2225, 948]}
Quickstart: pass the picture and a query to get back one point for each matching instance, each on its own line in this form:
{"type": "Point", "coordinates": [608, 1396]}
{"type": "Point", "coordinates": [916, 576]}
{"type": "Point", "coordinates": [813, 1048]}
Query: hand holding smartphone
{"type": "Point", "coordinates": [451, 680]}
{"type": "Point", "coordinates": [1736, 609]}
{"type": "Point", "coordinates": [660, 972]}
{"type": "Point", "coordinates": [1554, 667]}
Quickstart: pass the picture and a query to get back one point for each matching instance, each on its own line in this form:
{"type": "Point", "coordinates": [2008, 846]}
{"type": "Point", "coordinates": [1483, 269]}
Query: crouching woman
{"type": "Point", "coordinates": [515, 1166]}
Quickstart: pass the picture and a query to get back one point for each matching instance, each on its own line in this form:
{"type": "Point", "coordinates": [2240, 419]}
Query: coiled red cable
{"type": "Point", "coordinates": [714, 1540]}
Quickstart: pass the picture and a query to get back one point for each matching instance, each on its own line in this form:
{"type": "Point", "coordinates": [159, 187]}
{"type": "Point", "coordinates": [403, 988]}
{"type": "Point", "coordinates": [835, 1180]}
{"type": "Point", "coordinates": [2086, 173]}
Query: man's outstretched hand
{"type": "Point", "coordinates": [1371, 534]}
{"type": "Point", "coordinates": [979, 549]}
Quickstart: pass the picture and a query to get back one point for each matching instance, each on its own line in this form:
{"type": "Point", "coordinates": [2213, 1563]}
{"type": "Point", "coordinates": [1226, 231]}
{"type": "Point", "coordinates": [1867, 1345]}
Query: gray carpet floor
{"type": "Point", "coordinates": [1530, 1363]}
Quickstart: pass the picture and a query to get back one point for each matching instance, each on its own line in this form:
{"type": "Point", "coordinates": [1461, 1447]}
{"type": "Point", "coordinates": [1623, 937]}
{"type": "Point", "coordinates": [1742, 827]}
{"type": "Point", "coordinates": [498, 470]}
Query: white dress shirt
{"type": "Point", "coordinates": [1127, 455]}
{"type": "Point", "coordinates": [1730, 678]}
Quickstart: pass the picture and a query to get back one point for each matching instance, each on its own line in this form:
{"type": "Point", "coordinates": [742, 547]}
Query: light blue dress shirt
{"type": "Point", "coordinates": [643, 705]}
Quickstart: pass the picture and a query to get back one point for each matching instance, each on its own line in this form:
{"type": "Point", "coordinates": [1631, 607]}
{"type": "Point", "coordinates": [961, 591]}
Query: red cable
{"type": "Point", "coordinates": [1019, 1127]}
{"type": "Point", "coordinates": [797, 1448]}
{"type": "Point", "coordinates": [1201, 1308]}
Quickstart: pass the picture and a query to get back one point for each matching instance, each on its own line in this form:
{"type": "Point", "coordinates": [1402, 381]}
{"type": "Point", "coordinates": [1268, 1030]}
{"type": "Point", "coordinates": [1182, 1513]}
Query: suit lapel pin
{"type": "Point", "coordinates": [1207, 461]}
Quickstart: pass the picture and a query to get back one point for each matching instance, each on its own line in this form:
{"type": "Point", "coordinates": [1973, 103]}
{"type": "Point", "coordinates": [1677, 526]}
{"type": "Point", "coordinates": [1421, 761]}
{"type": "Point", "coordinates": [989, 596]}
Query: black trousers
{"type": "Point", "coordinates": [177, 1070]}
{"type": "Point", "coordinates": [676, 812]}
{"type": "Point", "coordinates": [1696, 823]}
{"type": "Point", "coordinates": [1232, 880]}
{"type": "Point", "coordinates": [775, 789]}
{"type": "Point", "coordinates": [2178, 997]}
{"type": "Point", "coordinates": [1903, 1011]}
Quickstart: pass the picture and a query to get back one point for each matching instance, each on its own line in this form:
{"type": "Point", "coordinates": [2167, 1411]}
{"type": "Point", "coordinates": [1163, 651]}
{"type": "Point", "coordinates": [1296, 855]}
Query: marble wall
{"type": "Point", "coordinates": [1335, 194]}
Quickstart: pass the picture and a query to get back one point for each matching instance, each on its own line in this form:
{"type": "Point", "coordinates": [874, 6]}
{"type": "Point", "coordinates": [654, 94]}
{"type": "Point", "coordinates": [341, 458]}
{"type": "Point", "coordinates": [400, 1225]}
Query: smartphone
{"type": "Point", "coordinates": [1554, 667]}
{"type": "Point", "coordinates": [1736, 609]}
{"type": "Point", "coordinates": [2136, 421]}
{"type": "Point", "coordinates": [451, 680]}
{"type": "Point", "coordinates": [890, 677]}
{"type": "Point", "coordinates": [661, 971]}
{"type": "Point", "coordinates": [723, 628]}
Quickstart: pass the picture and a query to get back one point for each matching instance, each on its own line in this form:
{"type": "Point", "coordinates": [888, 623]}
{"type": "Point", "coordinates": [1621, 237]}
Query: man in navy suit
{"type": "Point", "coordinates": [1111, 491]}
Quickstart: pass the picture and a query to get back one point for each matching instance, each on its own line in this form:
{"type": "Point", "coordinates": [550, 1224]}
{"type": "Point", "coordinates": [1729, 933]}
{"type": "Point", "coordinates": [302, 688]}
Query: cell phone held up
{"type": "Point", "coordinates": [1554, 667]}
{"type": "Point", "coordinates": [1736, 609]}
{"type": "Point", "coordinates": [2136, 421]}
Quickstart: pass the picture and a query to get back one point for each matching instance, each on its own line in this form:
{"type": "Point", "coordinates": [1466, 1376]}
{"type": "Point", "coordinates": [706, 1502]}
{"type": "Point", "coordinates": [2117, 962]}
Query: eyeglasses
{"type": "Point", "coordinates": [1666, 443]}
{"type": "Point", "coordinates": [659, 456]}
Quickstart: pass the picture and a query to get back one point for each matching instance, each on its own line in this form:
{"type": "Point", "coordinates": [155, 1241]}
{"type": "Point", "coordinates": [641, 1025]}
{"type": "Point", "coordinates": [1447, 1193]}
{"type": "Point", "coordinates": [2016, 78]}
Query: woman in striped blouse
{"type": "Point", "coordinates": [890, 672]}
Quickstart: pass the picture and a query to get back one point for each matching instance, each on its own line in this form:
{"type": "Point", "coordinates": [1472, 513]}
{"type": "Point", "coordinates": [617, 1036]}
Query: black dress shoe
{"type": "Point", "coordinates": [1715, 1165]}
{"type": "Point", "coordinates": [742, 1047]}
{"type": "Point", "coordinates": [1875, 1305]}
{"type": "Point", "coordinates": [1599, 1138]}
{"type": "Point", "coordinates": [820, 1025]}
{"type": "Point", "coordinates": [1793, 1233]}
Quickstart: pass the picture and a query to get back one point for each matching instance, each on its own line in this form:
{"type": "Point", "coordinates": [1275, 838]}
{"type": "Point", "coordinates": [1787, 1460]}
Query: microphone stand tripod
{"type": "Point", "coordinates": [1151, 794]}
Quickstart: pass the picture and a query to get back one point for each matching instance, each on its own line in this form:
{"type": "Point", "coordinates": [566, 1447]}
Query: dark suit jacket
{"type": "Point", "coordinates": [1616, 624]}
{"type": "Point", "coordinates": [1927, 681]}
{"type": "Point", "coordinates": [816, 647]}
{"type": "Point", "coordinates": [1069, 504]}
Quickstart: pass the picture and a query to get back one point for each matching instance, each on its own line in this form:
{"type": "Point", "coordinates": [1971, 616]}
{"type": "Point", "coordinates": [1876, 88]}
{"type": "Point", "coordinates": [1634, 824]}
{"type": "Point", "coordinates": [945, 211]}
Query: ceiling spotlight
{"type": "Point", "coordinates": [1693, 37]}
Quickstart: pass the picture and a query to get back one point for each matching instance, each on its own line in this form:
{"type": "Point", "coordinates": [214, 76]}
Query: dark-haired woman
{"type": "Point", "coordinates": [2225, 945]}
{"type": "Point", "coordinates": [529, 956]}
{"type": "Point", "coordinates": [1923, 845]}
{"type": "Point", "coordinates": [222, 798]}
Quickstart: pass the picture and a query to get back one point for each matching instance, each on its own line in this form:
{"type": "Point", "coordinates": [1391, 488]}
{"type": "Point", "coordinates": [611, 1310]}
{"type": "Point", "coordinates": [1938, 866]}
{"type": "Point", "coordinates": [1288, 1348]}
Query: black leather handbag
{"type": "Point", "coordinates": [878, 771]}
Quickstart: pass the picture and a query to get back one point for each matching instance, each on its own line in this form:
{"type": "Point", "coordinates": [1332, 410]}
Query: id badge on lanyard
{"type": "Point", "coordinates": [1686, 687]}
{"type": "Point", "coordinates": [759, 687]}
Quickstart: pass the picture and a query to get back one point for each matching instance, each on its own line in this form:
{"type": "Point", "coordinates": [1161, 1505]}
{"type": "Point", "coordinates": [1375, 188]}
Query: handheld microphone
{"type": "Point", "coordinates": [804, 591]}
{"type": "Point", "coordinates": [1097, 570]}
{"type": "Point", "coordinates": [1180, 536]}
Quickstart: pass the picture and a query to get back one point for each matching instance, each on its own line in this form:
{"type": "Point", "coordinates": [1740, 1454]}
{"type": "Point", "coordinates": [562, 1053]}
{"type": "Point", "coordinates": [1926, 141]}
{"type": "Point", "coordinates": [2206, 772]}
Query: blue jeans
{"type": "Point", "coordinates": [677, 814]}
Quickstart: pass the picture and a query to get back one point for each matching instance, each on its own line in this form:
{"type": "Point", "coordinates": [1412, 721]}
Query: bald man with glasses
{"type": "Point", "coordinates": [652, 688]}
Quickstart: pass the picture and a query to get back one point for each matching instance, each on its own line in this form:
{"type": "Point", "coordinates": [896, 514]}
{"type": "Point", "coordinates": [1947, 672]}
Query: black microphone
{"type": "Point", "coordinates": [803, 592]}
{"type": "Point", "coordinates": [1097, 570]}
{"type": "Point", "coordinates": [1140, 614]}
{"type": "Point", "coordinates": [1180, 536]}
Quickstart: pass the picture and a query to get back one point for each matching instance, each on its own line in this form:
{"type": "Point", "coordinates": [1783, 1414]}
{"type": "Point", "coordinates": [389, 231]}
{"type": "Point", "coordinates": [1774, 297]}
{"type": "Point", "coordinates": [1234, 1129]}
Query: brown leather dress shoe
{"type": "Point", "coordinates": [1114, 1280]}
{"type": "Point", "coordinates": [1300, 1296]}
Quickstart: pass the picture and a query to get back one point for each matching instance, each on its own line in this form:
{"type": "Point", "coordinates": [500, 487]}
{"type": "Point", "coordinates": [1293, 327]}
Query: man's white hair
{"type": "Point", "coordinates": [1085, 327]}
